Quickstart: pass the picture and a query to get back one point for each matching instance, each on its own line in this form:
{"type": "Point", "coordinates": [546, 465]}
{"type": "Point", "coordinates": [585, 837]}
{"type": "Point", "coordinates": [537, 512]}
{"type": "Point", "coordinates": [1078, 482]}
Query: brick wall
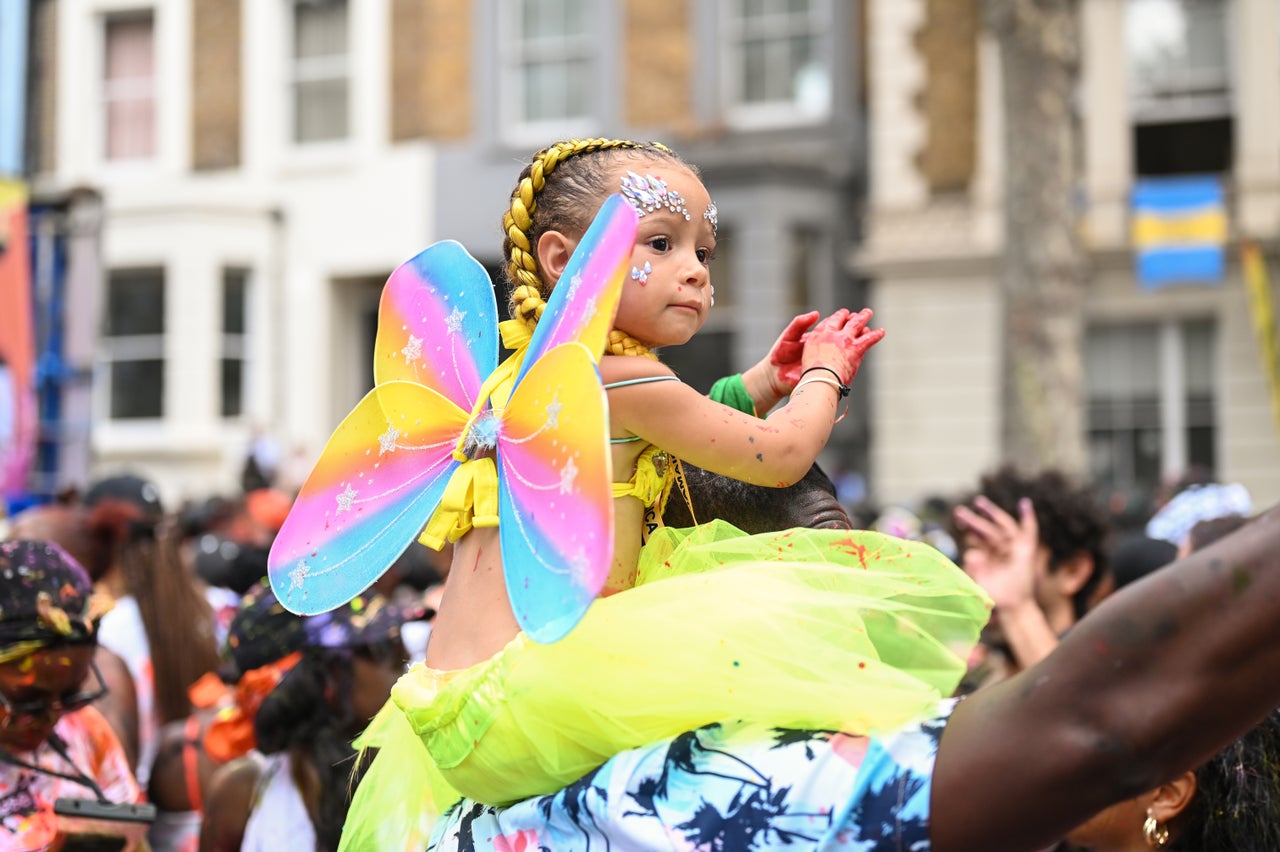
{"type": "Point", "coordinates": [215, 84]}
{"type": "Point", "coordinates": [948, 45]}
{"type": "Point", "coordinates": [659, 63]}
{"type": "Point", "coordinates": [443, 58]}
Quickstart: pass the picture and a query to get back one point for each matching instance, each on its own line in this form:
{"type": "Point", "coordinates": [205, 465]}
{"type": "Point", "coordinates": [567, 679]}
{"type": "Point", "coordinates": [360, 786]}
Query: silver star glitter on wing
{"type": "Point", "coordinates": [387, 440]}
{"type": "Point", "coordinates": [412, 350]}
{"type": "Point", "coordinates": [297, 575]}
{"type": "Point", "coordinates": [345, 498]}
{"type": "Point", "coordinates": [453, 322]}
{"type": "Point", "coordinates": [553, 412]}
{"type": "Point", "coordinates": [568, 475]}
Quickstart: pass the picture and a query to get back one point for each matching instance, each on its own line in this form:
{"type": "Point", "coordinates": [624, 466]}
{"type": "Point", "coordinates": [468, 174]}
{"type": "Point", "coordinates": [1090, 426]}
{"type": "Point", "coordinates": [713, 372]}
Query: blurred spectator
{"type": "Point", "coordinates": [1197, 503]}
{"type": "Point", "coordinates": [1210, 530]}
{"type": "Point", "coordinates": [1137, 555]}
{"type": "Point", "coordinates": [292, 791]}
{"type": "Point", "coordinates": [1036, 543]}
{"type": "Point", "coordinates": [54, 744]}
{"type": "Point", "coordinates": [68, 527]}
{"type": "Point", "coordinates": [162, 624]}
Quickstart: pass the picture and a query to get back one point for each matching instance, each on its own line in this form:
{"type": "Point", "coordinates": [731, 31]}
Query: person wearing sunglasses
{"type": "Point", "coordinates": [53, 744]}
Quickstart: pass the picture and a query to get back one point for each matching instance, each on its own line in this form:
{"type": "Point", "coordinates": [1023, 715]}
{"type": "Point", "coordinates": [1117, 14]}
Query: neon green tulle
{"type": "Point", "coordinates": [824, 629]}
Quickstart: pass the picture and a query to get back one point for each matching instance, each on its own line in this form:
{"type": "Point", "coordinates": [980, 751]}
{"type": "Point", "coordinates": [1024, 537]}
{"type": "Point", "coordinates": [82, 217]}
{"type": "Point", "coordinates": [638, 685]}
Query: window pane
{"type": "Point", "coordinates": [135, 302]}
{"type": "Point", "coordinates": [755, 76]}
{"type": "Point", "coordinates": [137, 389]}
{"type": "Point", "coordinates": [235, 288]}
{"type": "Point", "coordinates": [320, 110]}
{"type": "Point", "coordinates": [779, 54]}
{"type": "Point", "coordinates": [1177, 46]}
{"type": "Point", "coordinates": [232, 387]}
{"type": "Point", "coordinates": [128, 87]}
{"type": "Point", "coordinates": [553, 58]}
{"type": "Point", "coordinates": [320, 29]}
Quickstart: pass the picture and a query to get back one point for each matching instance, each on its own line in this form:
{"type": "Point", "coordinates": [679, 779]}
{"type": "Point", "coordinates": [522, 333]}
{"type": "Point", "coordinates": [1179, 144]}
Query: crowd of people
{"type": "Point", "coordinates": [1002, 670]}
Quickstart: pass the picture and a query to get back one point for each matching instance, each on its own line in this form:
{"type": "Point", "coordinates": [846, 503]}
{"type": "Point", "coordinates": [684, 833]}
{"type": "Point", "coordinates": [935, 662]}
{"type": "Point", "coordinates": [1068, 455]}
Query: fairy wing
{"type": "Point", "coordinates": [582, 305]}
{"type": "Point", "coordinates": [554, 493]}
{"type": "Point", "coordinates": [380, 477]}
{"type": "Point", "coordinates": [437, 324]}
{"type": "Point", "coordinates": [383, 471]}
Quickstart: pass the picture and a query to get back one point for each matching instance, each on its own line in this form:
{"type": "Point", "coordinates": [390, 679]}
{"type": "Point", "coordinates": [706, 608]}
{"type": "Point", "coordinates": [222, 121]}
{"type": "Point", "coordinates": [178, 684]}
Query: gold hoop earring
{"type": "Point", "coordinates": [1153, 832]}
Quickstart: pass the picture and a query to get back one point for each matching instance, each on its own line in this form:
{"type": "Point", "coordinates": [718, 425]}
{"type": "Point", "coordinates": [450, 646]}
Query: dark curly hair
{"type": "Point", "coordinates": [1070, 518]}
{"type": "Point", "coordinates": [309, 714]}
{"type": "Point", "coordinates": [1237, 803]}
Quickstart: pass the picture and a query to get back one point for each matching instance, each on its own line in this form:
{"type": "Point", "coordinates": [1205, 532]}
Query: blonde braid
{"type": "Point", "coordinates": [528, 299]}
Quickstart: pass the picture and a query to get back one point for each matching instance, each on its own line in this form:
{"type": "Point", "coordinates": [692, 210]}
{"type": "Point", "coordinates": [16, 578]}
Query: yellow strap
{"type": "Point", "coordinates": [471, 496]}
{"type": "Point", "coordinates": [470, 500]}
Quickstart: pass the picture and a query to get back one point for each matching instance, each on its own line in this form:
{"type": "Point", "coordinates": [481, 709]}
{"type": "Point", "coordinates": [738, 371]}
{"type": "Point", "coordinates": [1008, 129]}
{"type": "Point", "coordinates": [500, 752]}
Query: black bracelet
{"type": "Point", "coordinates": [829, 370]}
{"type": "Point", "coordinates": [840, 387]}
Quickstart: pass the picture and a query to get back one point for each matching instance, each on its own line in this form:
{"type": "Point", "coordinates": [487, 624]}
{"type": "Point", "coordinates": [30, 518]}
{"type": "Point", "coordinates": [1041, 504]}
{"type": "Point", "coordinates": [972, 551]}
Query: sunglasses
{"type": "Point", "coordinates": [16, 710]}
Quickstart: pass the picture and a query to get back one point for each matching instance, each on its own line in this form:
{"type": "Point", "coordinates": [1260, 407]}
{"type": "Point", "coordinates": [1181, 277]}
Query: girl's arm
{"type": "Point", "coordinates": [776, 451]}
{"type": "Point", "coordinates": [1157, 679]}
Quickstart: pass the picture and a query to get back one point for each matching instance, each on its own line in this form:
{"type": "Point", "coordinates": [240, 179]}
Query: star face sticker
{"type": "Point", "coordinates": [453, 322]}
{"type": "Point", "coordinates": [387, 440]}
{"type": "Point", "coordinates": [297, 575]}
{"type": "Point", "coordinates": [412, 350]}
{"type": "Point", "coordinates": [345, 499]}
{"type": "Point", "coordinates": [553, 412]}
{"type": "Point", "coordinates": [568, 474]}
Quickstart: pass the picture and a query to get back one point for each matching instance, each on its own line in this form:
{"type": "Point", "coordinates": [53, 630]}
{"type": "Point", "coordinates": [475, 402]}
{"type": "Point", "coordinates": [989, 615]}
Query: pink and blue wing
{"type": "Point", "coordinates": [582, 305]}
{"type": "Point", "coordinates": [554, 493]}
{"type": "Point", "coordinates": [438, 324]}
{"type": "Point", "coordinates": [378, 481]}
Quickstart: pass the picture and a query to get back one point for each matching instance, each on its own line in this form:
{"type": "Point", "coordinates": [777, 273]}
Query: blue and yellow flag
{"type": "Point", "coordinates": [1179, 231]}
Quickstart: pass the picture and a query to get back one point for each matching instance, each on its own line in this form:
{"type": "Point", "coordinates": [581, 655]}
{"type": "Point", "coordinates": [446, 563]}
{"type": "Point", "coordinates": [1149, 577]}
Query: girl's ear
{"type": "Point", "coordinates": [554, 251]}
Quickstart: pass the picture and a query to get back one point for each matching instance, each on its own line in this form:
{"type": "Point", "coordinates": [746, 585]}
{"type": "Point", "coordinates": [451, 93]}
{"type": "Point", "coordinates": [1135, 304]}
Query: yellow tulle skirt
{"type": "Point", "coordinates": [823, 629]}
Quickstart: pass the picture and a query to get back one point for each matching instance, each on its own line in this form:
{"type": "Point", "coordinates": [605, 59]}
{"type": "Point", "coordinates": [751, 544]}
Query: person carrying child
{"type": "Point", "coordinates": [826, 629]}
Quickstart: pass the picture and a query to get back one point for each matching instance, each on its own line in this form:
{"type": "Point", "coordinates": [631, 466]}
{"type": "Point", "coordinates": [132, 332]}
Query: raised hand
{"type": "Point", "coordinates": [840, 342]}
{"type": "Point", "coordinates": [1001, 553]}
{"type": "Point", "coordinates": [774, 376]}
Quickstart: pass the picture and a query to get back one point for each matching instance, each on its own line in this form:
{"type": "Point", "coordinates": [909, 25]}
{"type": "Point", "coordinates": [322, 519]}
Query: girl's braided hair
{"type": "Point", "coordinates": [560, 190]}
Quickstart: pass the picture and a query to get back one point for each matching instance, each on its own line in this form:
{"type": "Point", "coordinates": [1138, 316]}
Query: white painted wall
{"type": "Point", "coordinates": [296, 217]}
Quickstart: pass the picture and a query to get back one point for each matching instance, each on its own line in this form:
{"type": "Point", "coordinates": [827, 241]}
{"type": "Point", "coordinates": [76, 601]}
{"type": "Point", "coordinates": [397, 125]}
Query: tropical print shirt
{"type": "Point", "coordinates": [725, 787]}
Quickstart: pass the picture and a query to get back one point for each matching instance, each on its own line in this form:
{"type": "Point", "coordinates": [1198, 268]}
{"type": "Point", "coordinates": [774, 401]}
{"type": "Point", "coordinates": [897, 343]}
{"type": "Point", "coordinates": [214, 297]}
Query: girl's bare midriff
{"type": "Point", "coordinates": [475, 620]}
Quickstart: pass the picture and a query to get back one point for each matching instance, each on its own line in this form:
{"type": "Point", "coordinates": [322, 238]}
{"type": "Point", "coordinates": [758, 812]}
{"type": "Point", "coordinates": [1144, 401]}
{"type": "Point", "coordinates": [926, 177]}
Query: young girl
{"type": "Point", "coordinates": [822, 629]}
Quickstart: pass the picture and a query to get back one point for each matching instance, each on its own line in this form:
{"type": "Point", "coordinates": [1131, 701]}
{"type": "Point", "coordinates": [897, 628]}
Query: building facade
{"type": "Point", "coordinates": [1175, 379]}
{"type": "Point", "coordinates": [264, 165]}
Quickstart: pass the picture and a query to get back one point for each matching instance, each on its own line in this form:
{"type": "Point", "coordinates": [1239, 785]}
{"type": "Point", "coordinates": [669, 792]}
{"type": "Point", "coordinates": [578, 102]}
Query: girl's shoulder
{"type": "Point", "coordinates": [628, 368]}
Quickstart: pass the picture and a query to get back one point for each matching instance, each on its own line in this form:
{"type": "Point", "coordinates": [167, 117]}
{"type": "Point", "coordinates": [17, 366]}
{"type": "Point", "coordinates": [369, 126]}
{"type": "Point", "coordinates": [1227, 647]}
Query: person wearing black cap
{"type": "Point", "coordinates": [53, 744]}
{"type": "Point", "coordinates": [306, 688]}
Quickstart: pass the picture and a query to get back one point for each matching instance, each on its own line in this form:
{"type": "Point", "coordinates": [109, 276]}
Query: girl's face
{"type": "Point", "coordinates": [36, 690]}
{"type": "Point", "coordinates": [667, 292]}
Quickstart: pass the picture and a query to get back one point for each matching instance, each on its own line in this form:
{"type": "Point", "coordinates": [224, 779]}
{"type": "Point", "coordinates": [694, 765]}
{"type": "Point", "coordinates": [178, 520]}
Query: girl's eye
{"type": "Point", "coordinates": [705, 255]}
{"type": "Point", "coordinates": [660, 243]}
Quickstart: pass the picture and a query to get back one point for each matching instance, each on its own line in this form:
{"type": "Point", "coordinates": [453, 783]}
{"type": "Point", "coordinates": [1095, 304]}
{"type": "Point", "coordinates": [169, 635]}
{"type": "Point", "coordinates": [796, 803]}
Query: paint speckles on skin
{"type": "Point", "coordinates": [1240, 581]}
{"type": "Point", "coordinates": [759, 457]}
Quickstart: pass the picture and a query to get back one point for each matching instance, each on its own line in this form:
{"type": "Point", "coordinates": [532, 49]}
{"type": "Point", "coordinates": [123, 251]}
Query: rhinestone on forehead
{"type": "Point", "coordinates": [647, 193]}
{"type": "Point", "coordinates": [713, 216]}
